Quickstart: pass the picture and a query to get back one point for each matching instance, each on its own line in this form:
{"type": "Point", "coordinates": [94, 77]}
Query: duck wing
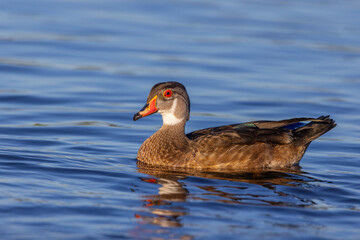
{"type": "Point", "coordinates": [244, 133]}
{"type": "Point", "coordinates": [272, 132]}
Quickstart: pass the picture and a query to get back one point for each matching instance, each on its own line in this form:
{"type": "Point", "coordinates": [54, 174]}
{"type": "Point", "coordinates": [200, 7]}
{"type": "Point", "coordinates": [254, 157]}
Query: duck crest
{"type": "Point", "coordinates": [245, 146]}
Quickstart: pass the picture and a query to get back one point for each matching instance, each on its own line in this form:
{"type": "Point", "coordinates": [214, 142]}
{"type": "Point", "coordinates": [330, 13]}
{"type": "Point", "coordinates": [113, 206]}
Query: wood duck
{"type": "Point", "coordinates": [244, 146]}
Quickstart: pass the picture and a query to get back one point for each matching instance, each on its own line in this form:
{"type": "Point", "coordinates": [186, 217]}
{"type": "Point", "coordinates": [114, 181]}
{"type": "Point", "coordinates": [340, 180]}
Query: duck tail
{"type": "Point", "coordinates": [313, 130]}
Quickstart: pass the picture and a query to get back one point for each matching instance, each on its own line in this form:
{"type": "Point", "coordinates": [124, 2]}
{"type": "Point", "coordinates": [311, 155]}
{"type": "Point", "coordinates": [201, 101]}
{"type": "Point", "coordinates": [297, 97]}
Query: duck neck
{"type": "Point", "coordinates": [174, 134]}
{"type": "Point", "coordinates": [168, 144]}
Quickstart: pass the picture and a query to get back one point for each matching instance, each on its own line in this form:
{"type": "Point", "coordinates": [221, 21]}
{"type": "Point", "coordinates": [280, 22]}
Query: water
{"type": "Point", "coordinates": [73, 73]}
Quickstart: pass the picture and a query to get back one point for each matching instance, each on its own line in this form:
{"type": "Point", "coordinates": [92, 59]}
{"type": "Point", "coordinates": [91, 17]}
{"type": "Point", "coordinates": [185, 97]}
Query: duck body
{"type": "Point", "coordinates": [245, 146]}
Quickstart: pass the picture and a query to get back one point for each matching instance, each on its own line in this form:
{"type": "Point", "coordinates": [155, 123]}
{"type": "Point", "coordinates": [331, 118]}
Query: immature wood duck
{"type": "Point", "coordinates": [244, 146]}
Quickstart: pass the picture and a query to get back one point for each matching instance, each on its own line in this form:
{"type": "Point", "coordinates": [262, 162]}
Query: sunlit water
{"type": "Point", "coordinates": [73, 73]}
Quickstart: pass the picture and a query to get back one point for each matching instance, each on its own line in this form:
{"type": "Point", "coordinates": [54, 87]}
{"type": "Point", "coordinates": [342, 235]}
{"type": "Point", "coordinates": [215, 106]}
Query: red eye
{"type": "Point", "coordinates": [168, 93]}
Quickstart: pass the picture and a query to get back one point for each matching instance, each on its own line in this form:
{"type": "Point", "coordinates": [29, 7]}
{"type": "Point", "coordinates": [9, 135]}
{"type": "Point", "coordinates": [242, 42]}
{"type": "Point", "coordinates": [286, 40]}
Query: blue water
{"type": "Point", "coordinates": [73, 73]}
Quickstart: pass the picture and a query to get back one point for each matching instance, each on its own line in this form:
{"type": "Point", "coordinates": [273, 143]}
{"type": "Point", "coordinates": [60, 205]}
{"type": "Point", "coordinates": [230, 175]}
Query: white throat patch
{"type": "Point", "coordinates": [169, 117]}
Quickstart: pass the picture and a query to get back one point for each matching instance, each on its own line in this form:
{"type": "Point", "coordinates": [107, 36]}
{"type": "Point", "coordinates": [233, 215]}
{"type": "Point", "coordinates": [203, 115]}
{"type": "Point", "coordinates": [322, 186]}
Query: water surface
{"type": "Point", "coordinates": [73, 73]}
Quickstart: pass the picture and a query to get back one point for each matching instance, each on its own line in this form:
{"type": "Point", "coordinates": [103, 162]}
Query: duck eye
{"type": "Point", "coordinates": [168, 93]}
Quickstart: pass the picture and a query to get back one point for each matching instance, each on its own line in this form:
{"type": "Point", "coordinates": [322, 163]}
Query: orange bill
{"type": "Point", "coordinates": [148, 109]}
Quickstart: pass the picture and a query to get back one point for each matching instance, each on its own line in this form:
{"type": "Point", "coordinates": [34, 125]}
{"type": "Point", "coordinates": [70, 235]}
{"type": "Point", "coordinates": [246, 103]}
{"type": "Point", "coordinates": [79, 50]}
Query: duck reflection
{"type": "Point", "coordinates": [160, 205]}
{"type": "Point", "coordinates": [166, 208]}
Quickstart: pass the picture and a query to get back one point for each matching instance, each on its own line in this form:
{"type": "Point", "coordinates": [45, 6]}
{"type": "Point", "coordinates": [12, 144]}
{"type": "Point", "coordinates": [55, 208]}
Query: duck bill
{"type": "Point", "coordinates": [147, 110]}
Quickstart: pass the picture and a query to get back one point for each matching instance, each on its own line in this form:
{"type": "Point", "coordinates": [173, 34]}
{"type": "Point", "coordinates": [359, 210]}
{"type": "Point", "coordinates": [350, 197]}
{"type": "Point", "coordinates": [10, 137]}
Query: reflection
{"type": "Point", "coordinates": [160, 205]}
{"type": "Point", "coordinates": [178, 189]}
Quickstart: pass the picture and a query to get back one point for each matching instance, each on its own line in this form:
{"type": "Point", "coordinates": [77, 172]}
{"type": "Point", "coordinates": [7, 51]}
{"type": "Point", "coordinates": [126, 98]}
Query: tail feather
{"type": "Point", "coordinates": [313, 130]}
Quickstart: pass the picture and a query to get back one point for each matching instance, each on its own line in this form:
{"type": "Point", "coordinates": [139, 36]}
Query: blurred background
{"type": "Point", "coordinates": [73, 73]}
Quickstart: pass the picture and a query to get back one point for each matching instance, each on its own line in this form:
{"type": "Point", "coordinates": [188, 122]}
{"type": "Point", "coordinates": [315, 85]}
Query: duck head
{"type": "Point", "coordinates": [171, 100]}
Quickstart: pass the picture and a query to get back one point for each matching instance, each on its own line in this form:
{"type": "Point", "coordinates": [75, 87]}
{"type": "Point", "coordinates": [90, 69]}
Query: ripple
{"type": "Point", "coordinates": [71, 81]}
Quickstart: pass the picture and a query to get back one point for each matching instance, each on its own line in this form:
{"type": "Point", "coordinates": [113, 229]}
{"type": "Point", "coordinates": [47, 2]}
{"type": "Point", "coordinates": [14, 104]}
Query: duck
{"type": "Point", "coordinates": [243, 146]}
